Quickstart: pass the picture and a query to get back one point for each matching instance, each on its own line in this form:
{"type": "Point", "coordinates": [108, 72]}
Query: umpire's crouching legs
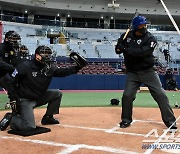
{"type": "Point", "coordinates": [53, 98]}
{"type": "Point", "coordinates": [26, 121]}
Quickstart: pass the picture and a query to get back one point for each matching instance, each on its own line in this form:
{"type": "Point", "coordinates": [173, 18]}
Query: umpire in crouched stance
{"type": "Point", "coordinates": [137, 49]}
{"type": "Point", "coordinates": [29, 89]}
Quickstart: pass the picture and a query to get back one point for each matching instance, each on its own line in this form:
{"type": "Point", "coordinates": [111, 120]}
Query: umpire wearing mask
{"type": "Point", "coordinates": [29, 89]}
{"type": "Point", "coordinates": [8, 54]}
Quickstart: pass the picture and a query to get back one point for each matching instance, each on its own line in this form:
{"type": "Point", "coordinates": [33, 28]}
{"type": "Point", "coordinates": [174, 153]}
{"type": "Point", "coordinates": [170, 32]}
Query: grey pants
{"type": "Point", "coordinates": [150, 79]}
{"type": "Point", "coordinates": [26, 121]}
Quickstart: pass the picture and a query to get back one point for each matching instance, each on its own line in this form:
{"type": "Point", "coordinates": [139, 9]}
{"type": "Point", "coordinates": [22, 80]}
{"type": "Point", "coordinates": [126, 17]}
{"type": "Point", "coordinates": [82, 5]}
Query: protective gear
{"type": "Point", "coordinates": [46, 54]}
{"type": "Point", "coordinates": [142, 30]}
{"type": "Point", "coordinates": [24, 52]}
{"type": "Point", "coordinates": [114, 101]}
{"type": "Point", "coordinates": [13, 106]}
{"type": "Point", "coordinates": [13, 39]}
{"type": "Point", "coordinates": [78, 59]}
{"type": "Point", "coordinates": [4, 123]}
{"type": "Point", "coordinates": [139, 20]}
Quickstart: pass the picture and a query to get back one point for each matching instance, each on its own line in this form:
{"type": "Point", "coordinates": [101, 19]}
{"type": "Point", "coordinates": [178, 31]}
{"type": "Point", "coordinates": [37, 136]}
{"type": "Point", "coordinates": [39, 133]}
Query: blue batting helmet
{"type": "Point", "coordinates": [139, 20]}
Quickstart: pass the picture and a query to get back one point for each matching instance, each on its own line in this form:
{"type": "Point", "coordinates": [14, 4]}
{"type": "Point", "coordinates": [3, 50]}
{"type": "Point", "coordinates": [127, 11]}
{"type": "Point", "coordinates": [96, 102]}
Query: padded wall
{"type": "Point", "coordinates": [95, 82]}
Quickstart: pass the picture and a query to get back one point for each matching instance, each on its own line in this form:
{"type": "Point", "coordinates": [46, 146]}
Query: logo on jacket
{"type": "Point", "coordinates": [139, 41]}
{"type": "Point", "coordinates": [34, 74]}
{"type": "Point", "coordinates": [14, 73]}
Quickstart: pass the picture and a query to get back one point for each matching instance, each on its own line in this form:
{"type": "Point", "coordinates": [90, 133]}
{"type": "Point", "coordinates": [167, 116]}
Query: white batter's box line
{"type": "Point", "coordinates": [70, 148]}
{"type": "Point", "coordinates": [102, 129]}
{"type": "Point", "coordinates": [112, 129]}
{"type": "Point", "coordinates": [148, 121]}
{"type": "Point", "coordinates": [98, 148]}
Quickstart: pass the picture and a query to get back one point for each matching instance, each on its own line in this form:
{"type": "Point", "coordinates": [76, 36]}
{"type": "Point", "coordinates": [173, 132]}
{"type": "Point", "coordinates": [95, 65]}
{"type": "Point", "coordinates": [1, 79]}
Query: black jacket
{"type": "Point", "coordinates": [6, 54]}
{"type": "Point", "coordinates": [137, 51]}
{"type": "Point", "coordinates": [30, 80]}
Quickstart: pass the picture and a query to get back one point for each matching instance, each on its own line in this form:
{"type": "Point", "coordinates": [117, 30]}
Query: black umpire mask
{"type": "Point", "coordinates": [45, 54]}
{"type": "Point", "coordinates": [142, 30]}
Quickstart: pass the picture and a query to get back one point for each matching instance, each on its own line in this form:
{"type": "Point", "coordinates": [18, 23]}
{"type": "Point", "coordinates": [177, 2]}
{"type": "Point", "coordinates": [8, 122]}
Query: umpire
{"type": "Point", "coordinates": [29, 89]}
{"type": "Point", "coordinates": [8, 52]}
{"type": "Point", "coordinates": [137, 49]}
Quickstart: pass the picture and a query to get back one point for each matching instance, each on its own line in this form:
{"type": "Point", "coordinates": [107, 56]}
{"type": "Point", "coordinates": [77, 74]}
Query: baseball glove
{"type": "Point", "coordinates": [114, 101]}
{"type": "Point", "coordinates": [78, 59]}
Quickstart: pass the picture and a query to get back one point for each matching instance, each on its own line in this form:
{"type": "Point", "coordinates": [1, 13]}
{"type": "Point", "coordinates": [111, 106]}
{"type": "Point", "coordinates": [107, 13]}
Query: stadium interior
{"type": "Point", "coordinates": [92, 29]}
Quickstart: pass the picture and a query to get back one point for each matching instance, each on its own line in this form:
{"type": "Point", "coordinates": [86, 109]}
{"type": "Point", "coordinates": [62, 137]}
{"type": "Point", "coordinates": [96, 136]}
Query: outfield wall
{"type": "Point", "coordinates": [95, 82]}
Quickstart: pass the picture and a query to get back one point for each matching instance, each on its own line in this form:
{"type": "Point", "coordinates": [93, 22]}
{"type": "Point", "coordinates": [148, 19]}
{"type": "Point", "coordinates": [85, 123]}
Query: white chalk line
{"type": "Point", "coordinates": [99, 148]}
{"type": "Point", "coordinates": [114, 129]}
{"type": "Point", "coordinates": [70, 148]}
{"type": "Point", "coordinates": [102, 129]}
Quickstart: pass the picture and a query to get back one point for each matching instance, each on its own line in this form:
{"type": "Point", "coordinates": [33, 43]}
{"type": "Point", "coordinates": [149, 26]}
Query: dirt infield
{"type": "Point", "coordinates": [91, 130]}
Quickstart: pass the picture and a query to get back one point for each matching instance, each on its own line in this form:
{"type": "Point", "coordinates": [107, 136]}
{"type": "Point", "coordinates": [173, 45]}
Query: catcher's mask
{"type": "Point", "coordinates": [44, 54]}
{"type": "Point", "coordinates": [24, 51]}
{"type": "Point", "coordinates": [13, 39]}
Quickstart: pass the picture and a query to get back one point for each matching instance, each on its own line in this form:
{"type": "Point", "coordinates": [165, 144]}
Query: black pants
{"type": "Point", "coordinates": [150, 79]}
{"type": "Point", "coordinates": [25, 120]}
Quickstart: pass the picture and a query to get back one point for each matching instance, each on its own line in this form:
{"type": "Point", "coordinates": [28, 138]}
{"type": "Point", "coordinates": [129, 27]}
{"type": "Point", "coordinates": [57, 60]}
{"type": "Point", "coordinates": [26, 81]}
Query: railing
{"type": "Point", "coordinates": [59, 23]}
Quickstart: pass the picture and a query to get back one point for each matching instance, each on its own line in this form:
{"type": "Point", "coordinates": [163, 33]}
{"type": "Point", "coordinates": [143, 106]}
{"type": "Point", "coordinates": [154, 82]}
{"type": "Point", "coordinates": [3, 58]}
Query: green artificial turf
{"type": "Point", "coordinates": [98, 99]}
{"type": "Point", "coordinates": [103, 99]}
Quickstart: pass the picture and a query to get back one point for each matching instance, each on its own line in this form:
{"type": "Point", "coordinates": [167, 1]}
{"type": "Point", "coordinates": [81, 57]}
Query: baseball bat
{"type": "Point", "coordinates": [170, 16]}
{"type": "Point", "coordinates": [129, 28]}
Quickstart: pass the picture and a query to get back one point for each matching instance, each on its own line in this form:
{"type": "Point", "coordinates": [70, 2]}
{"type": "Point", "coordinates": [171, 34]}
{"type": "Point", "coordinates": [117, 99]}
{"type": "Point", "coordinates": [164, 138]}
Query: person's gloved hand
{"type": "Point", "coordinates": [78, 59]}
{"type": "Point", "coordinates": [120, 48]}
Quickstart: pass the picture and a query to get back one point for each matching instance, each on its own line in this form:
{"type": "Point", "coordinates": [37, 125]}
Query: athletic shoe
{"type": "Point", "coordinates": [124, 124]}
{"type": "Point", "coordinates": [46, 120]}
{"type": "Point", "coordinates": [173, 127]}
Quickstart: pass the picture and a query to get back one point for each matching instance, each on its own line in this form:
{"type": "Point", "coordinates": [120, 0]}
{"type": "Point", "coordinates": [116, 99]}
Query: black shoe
{"type": "Point", "coordinates": [171, 123]}
{"type": "Point", "coordinates": [4, 123]}
{"type": "Point", "coordinates": [173, 127]}
{"type": "Point", "coordinates": [124, 124]}
{"type": "Point", "coordinates": [46, 120]}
